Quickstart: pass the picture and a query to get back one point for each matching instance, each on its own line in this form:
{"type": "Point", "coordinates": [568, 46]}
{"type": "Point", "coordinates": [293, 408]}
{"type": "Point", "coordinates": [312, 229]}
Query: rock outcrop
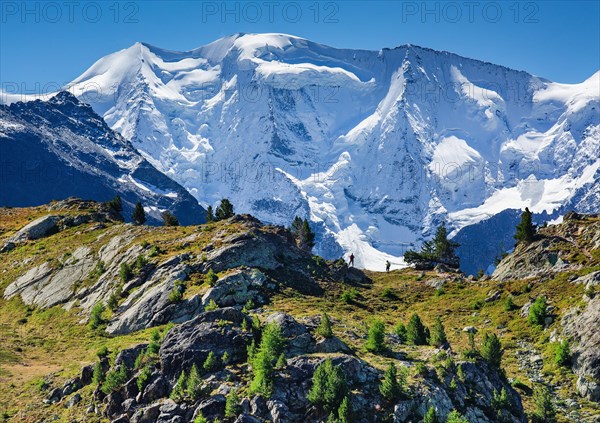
{"type": "Point", "coordinates": [582, 329]}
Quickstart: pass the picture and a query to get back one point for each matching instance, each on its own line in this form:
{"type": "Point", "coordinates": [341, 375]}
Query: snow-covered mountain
{"type": "Point", "coordinates": [51, 150]}
{"type": "Point", "coordinates": [376, 147]}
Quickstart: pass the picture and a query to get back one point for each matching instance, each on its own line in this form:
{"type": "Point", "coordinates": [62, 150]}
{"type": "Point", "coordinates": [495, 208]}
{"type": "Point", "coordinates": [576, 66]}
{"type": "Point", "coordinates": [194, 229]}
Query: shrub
{"type": "Point", "coordinates": [420, 369]}
{"type": "Point", "coordinates": [225, 358]}
{"type": "Point", "coordinates": [175, 295]}
{"type": "Point", "coordinates": [562, 353]}
{"type": "Point", "coordinates": [391, 388]}
{"type": "Point", "coordinates": [125, 272]}
{"type": "Point", "coordinates": [113, 300]}
{"type": "Point", "coordinates": [376, 337]}
{"type": "Point", "coordinates": [538, 312]}
{"type": "Point", "coordinates": [99, 269]}
{"type": "Point", "coordinates": [211, 362]}
{"type": "Point", "coordinates": [169, 219]}
{"type": "Point", "coordinates": [328, 386]}
{"type": "Point", "coordinates": [491, 350]}
{"type": "Point", "coordinates": [430, 416]}
{"type": "Point", "coordinates": [194, 383]}
{"type": "Point", "coordinates": [545, 410]}
{"type": "Point", "coordinates": [96, 319]}
{"type": "Point", "coordinates": [456, 417]}
{"type": "Point", "coordinates": [102, 351]}
{"type": "Point", "coordinates": [416, 333]}
{"type": "Point", "coordinates": [212, 305]}
{"type": "Point", "coordinates": [438, 335]}
{"type": "Point", "coordinates": [509, 304]}
{"type": "Point", "coordinates": [248, 306]}
{"type": "Point", "coordinates": [200, 419]}
{"type": "Point", "coordinates": [501, 401]}
{"type": "Point", "coordinates": [178, 392]}
{"type": "Point", "coordinates": [144, 378]}
{"type": "Point", "coordinates": [388, 293]}
{"type": "Point", "coordinates": [114, 379]}
{"type": "Point", "coordinates": [349, 295]}
{"type": "Point", "coordinates": [140, 262]}
{"type": "Point", "coordinates": [400, 331]}
{"type": "Point", "coordinates": [211, 277]}
{"type": "Point", "coordinates": [232, 404]}
{"type": "Point", "coordinates": [98, 376]}
{"type": "Point", "coordinates": [324, 328]}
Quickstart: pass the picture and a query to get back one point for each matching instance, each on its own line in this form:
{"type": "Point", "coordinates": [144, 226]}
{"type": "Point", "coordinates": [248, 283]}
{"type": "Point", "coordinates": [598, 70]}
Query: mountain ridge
{"type": "Point", "coordinates": [375, 147]}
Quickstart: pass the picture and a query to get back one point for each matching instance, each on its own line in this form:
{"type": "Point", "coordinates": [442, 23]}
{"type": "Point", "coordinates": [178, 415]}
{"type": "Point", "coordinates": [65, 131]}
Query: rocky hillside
{"type": "Point", "coordinates": [106, 321]}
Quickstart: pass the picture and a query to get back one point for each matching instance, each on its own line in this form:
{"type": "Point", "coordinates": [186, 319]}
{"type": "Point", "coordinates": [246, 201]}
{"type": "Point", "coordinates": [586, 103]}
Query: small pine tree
{"type": "Point", "coordinates": [98, 376]}
{"type": "Point", "coordinates": [96, 319]}
{"type": "Point", "coordinates": [416, 333]}
{"type": "Point", "coordinates": [525, 229]}
{"type": "Point", "coordinates": [211, 362]}
{"type": "Point", "coordinates": [212, 305]}
{"type": "Point", "coordinates": [225, 358]}
{"type": "Point", "coordinates": [390, 388]}
{"type": "Point", "coordinates": [210, 217]}
{"type": "Point", "coordinates": [263, 359]}
{"type": "Point", "coordinates": [114, 380]}
{"type": "Point", "coordinates": [169, 219]}
{"type": "Point", "coordinates": [324, 328]}
{"type": "Point", "coordinates": [500, 401]}
{"type": "Point", "coordinates": [143, 378]}
{"type": "Point", "coordinates": [400, 331]}
{"type": "Point", "coordinates": [194, 383]}
{"type": "Point", "coordinates": [232, 404]}
{"type": "Point", "coordinates": [302, 233]}
{"type": "Point", "coordinates": [281, 361]}
{"type": "Point", "coordinates": [509, 305]}
{"type": "Point", "coordinates": [200, 419]}
{"type": "Point", "coordinates": [139, 215]}
{"type": "Point", "coordinates": [538, 312]}
{"type": "Point", "coordinates": [178, 392]}
{"type": "Point", "coordinates": [376, 337]}
{"type": "Point", "coordinates": [225, 210]}
{"type": "Point", "coordinates": [562, 353]}
{"type": "Point", "coordinates": [456, 417]}
{"type": "Point", "coordinates": [328, 386]}
{"type": "Point", "coordinates": [125, 272]}
{"type": "Point", "coordinates": [430, 416]}
{"type": "Point", "coordinates": [115, 204]}
{"type": "Point", "coordinates": [438, 335]}
{"type": "Point", "coordinates": [491, 350]}
{"type": "Point", "coordinates": [545, 410]}
{"type": "Point", "coordinates": [113, 301]}
{"type": "Point", "coordinates": [344, 411]}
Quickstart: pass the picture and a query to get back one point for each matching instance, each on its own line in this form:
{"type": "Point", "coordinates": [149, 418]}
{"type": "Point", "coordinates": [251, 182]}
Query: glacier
{"type": "Point", "coordinates": [376, 148]}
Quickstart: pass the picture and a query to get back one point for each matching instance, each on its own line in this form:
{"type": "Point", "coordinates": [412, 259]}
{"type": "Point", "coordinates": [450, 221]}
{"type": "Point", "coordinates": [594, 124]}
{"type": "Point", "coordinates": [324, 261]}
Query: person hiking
{"type": "Point", "coordinates": [351, 260]}
{"type": "Point", "coordinates": [387, 265]}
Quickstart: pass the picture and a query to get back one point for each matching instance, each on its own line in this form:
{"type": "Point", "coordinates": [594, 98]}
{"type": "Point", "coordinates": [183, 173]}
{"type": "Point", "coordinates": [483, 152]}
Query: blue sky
{"type": "Point", "coordinates": [51, 43]}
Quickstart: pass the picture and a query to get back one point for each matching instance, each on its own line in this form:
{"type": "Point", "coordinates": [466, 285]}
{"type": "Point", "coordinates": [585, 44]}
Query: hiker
{"type": "Point", "coordinates": [351, 260]}
{"type": "Point", "coordinates": [387, 265]}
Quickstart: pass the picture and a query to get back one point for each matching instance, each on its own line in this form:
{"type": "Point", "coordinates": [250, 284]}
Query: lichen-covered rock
{"type": "Point", "coordinates": [237, 288]}
{"type": "Point", "coordinates": [217, 331]}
